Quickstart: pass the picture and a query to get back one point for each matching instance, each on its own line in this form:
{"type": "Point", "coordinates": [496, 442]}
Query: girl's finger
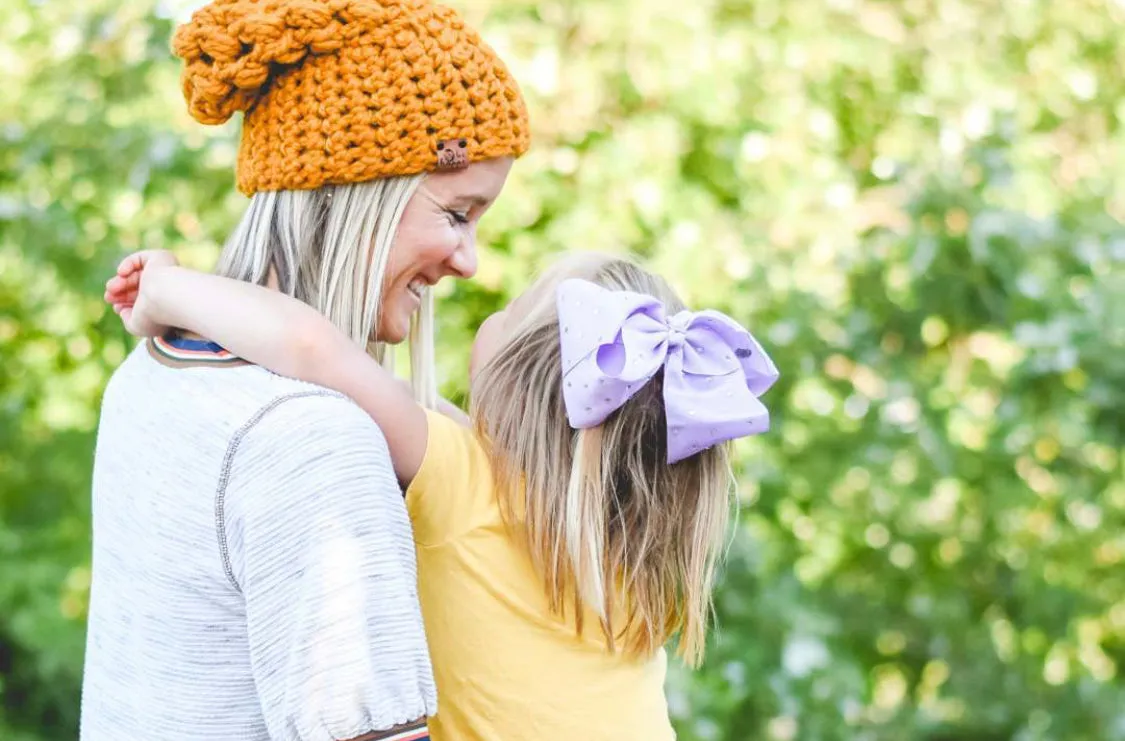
{"type": "Point", "coordinates": [126, 266]}
{"type": "Point", "coordinates": [132, 264]}
{"type": "Point", "coordinates": [126, 286]}
{"type": "Point", "coordinates": [135, 262]}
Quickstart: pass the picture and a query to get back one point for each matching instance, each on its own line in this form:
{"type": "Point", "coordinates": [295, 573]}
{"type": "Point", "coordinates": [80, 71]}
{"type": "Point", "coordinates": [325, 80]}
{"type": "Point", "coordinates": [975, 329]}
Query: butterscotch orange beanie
{"type": "Point", "coordinates": [345, 91]}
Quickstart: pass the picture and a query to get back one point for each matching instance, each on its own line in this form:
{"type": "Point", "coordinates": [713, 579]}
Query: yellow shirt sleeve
{"type": "Point", "coordinates": [452, 489]}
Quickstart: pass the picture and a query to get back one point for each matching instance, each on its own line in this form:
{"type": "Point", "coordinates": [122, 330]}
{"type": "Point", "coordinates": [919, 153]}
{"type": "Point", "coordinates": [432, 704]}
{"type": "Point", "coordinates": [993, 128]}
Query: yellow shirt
{"type": "Point", "coordinates": [507, 669]}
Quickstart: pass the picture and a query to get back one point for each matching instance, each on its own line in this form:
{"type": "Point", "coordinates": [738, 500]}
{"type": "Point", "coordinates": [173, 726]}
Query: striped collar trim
{"type": "Point", "coordinates": [415, 731]}
{"type": "Point", "coordinates": [419, 734]}
{"type": "Point", "coordinates": [183, 350]}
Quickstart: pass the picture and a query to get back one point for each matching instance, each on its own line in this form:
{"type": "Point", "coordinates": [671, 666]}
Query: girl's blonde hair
{"type": "Point", "coordinates": [329, 247]}
{"type": "Point", "coordinates": [612, 527]}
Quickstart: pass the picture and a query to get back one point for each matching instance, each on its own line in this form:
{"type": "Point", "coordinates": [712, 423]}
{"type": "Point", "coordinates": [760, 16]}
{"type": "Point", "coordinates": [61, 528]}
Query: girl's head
{"type": "Point", "coordinates": [375, 134]}
{"type": "Point", "coordinates": [612, 524]}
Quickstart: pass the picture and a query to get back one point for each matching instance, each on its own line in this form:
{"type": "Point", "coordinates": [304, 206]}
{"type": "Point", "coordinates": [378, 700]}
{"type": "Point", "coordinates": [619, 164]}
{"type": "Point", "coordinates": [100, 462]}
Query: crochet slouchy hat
{"type": "Point", "coordinates": [345, 91]}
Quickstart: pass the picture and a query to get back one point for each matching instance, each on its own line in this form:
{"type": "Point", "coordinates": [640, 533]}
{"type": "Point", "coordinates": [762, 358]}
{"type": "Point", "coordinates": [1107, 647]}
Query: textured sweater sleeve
{"type": "Point", "coordinates": [315, 535]}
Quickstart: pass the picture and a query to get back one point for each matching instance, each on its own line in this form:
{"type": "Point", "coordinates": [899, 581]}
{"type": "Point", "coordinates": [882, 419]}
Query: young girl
{"type": "Point", "coordinates": [574, 529]}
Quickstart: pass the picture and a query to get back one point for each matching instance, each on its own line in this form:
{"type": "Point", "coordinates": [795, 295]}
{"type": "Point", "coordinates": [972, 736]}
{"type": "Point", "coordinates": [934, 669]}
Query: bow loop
{"type": "Point", "coordinates": [614, 342]}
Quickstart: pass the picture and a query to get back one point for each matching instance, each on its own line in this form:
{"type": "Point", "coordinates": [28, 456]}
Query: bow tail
{"type": "Point", "coordinates": [704, 411]}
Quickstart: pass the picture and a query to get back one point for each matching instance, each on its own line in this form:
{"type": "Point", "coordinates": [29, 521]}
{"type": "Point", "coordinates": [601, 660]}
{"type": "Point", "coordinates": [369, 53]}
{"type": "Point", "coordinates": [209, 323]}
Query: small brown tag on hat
{"type": "Point", "coordinates": [452, 154]}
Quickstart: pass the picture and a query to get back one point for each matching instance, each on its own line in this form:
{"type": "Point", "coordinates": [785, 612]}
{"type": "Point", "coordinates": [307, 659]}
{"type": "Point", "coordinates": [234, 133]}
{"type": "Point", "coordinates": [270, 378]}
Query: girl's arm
{"type": "Point", "coordinates": [291, 339]}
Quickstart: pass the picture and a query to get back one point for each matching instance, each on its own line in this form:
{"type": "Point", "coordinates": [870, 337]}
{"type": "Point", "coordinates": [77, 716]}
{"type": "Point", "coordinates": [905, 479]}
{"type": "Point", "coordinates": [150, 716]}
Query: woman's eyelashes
{"type": "Point", "coordinates": [458, 217]}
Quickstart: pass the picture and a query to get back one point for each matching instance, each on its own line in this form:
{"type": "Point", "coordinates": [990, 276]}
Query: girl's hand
{"type": "Point", "coordinates": [125, 291]}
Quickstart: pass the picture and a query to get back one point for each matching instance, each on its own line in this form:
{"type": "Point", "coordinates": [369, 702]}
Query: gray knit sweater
{"type": "Point", "coordinates": [253, 567]}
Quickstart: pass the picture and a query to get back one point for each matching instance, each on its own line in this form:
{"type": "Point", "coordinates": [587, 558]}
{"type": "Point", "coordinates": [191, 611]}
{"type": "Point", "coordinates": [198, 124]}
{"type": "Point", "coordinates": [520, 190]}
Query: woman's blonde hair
{"type": "Point", "coordinates": [329, 247]}
{"type": "Point", "coordinates": [612, 527]}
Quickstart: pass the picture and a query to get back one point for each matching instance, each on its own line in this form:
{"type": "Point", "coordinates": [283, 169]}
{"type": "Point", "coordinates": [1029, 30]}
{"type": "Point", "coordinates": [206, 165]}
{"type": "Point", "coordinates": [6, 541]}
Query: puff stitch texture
{"type": "Point", "coordinates": [345, 91]}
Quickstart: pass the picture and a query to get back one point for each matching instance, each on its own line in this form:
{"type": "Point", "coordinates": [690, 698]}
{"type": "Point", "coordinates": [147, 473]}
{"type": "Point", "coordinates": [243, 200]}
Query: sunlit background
{"type": "Point", "coordinates": [917, 207]}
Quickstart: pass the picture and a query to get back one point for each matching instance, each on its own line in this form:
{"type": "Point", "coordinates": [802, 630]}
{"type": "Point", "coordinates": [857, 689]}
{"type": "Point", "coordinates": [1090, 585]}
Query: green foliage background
{"type": "Point", "coordinates": [916, 205]}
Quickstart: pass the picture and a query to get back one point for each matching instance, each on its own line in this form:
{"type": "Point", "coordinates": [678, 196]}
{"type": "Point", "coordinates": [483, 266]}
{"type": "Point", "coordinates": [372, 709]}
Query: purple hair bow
{"type": "Point", "coordinates": [614, 342]}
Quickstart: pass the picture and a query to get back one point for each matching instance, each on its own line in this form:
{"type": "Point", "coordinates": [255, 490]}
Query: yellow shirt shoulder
{"type": "Point", "coordinates": [506, 667]}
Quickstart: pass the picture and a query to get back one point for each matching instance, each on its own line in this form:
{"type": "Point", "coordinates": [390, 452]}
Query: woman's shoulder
{"type": "Point", "coordinates": [304, 419]}
{"type": "Point", "coordinates": [311, 442]}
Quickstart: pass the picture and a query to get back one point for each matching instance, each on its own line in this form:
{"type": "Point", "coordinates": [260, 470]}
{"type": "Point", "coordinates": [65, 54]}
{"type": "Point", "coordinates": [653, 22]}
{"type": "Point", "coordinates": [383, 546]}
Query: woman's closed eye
{"type": "Point", "coordinates": [458, 217]}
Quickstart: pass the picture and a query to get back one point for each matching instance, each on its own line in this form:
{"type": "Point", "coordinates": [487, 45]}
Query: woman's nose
{"type": "Point", "coordinates": [463, 261]}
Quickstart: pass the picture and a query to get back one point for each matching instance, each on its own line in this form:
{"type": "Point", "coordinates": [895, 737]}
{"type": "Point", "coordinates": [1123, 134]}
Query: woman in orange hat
{"type": "Point", "coordinates": [254, 574]}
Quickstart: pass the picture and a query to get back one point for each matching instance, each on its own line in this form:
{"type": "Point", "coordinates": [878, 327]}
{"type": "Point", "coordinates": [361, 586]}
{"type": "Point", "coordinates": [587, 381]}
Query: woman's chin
{"type": "Point", "coordinates": [394, 329]}
{"type": "Point", "coordinates": [394, 322]}
{"type": "Point", "coordinates": [392, 335]}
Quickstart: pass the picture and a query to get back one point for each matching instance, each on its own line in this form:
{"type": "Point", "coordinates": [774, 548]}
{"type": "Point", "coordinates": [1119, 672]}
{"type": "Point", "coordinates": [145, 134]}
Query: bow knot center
{"type": "Point", "coordinates": [677, 329]}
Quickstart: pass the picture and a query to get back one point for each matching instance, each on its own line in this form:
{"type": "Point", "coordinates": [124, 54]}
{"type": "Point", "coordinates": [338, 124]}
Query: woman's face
{"type": "Point", "coordinates": [436, 237]}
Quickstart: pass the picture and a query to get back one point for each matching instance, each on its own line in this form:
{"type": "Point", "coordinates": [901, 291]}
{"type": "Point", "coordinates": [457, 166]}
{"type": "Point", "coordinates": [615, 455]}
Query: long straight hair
{"type": "Point", "coordinates": [611, 527]}
{"type": "Point", "coordinates": [330, 247]}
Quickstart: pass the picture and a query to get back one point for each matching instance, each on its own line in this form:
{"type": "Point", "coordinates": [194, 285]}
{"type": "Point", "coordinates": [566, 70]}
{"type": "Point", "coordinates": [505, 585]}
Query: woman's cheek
{"type": "Point", "coordinates": [445, 243]}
